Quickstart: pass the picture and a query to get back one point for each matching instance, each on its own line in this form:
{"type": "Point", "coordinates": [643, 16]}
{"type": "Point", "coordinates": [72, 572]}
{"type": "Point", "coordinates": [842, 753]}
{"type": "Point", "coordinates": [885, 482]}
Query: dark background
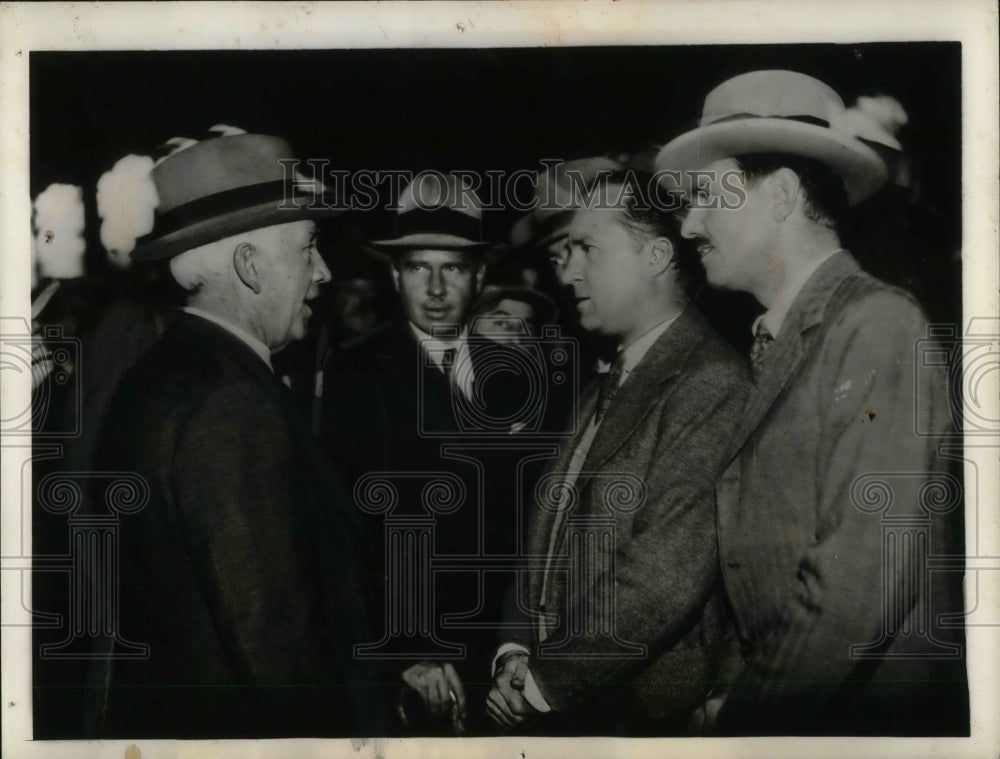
{"type": "Point", "coordinates": [498, 109]}
{"type": "Point", "coordinates": [470, 109]}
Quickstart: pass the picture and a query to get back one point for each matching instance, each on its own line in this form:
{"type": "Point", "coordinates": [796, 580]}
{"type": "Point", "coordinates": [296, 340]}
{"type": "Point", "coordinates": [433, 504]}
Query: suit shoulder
{"type": "Point", "coordinates": [866, 303]}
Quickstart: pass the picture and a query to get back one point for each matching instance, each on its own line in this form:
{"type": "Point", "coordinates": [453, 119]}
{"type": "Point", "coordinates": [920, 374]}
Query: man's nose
{"type": "Point", "coordinates": [321, 273]}
{"type": "Point", "coordinates": [569, 271]}
{"type": "Point", "coordinates": [435, 283]}
{"type": "Point", "coordinates": [692, 225]}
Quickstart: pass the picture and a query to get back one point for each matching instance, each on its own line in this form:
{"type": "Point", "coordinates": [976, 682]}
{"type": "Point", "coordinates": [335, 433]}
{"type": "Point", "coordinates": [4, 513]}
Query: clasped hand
{"type": "Point", "coordinates": [441, 690]}
{"type": "Point", "coordinates": [506, 703]}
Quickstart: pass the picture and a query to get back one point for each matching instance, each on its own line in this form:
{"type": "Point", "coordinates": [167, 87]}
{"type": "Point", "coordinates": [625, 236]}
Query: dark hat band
{"type": "Point", "coordinates": [441, 221]}
{"type": "Point", "coordinates": [283, 194]}
{"type": "Point", "coordinates": [805, 118]}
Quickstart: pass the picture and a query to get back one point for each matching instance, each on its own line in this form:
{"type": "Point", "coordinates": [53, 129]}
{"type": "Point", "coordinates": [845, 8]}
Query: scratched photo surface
{"type": "Point", "coordinates": [403, 497]}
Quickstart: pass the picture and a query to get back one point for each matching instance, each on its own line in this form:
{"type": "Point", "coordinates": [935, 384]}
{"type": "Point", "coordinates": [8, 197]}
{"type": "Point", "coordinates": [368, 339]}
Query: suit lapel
{"type": "Point", "coordinates": [793, 342]}
{"type": "Point", "coordinates": [662, 362]}
{"type": "Point", "coordinates": [544, 517]}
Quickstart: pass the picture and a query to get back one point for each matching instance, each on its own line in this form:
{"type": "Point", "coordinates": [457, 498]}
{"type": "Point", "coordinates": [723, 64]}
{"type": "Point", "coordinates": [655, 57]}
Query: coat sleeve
{"type": "Point", "coordinates": [871, 464]}
{"type": "Point", "coordinates": [665, 575]}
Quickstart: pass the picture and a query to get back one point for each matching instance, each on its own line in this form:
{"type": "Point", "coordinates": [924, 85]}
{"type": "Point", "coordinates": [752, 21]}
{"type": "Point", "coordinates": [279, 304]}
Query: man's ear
{"type": "Point", "coordinates": [394, 271]}
{"type": "Point", "coordinates": [247, 266]}
{"type": "Point", "coordinates": [784, 187]}
{"type": "Point", "coordinates": [660, 252]}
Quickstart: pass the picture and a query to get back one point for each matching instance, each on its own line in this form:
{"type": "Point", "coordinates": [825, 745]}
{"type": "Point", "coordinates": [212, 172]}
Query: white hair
{"type": "Point", "coordinates": [205, 266]}
{"type": "Point", "coordinates": [211, 265]}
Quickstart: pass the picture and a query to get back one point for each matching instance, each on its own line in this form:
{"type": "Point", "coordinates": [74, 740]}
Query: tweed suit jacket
{"type": "Point", "coordinates": [664, 439]}
{"type": "Point", "coordinates": [829, 461]}
{"type": "Point", "coordinates": [239, 571]}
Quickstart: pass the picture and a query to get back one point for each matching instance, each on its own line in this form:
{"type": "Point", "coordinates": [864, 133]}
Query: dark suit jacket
{"type": "Point", "coordinates": [806, 547]}
{"type": "Point", "coordinates": [667, 431]}
{"type": "Point", "coordinates": [386, 410]}
{"type": "Point", "coordinates": [238, 573]}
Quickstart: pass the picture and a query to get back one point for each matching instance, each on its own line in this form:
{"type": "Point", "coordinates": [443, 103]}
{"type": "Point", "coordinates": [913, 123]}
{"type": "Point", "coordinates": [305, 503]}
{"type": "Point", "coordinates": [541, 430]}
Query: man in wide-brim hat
{"type": "Point", "coordinates": [839, 636]}
{"type": "Point", "coordinates": [239, 572]}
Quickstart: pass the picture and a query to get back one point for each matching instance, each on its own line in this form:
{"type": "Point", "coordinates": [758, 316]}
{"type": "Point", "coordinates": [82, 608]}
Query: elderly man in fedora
{"type": "Point", "coordinates": [239, 572]}
{"type": "Point", "coordinates": [390, 405]}
{"type": "Point", "coordinates": [841, 630]}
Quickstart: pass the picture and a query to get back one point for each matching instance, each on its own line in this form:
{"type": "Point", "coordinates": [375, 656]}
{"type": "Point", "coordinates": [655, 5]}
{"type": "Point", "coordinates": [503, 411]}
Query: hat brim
{"type": "Point", "coordinates": [223, 226]}
{"type": "Point", "coordinates": [531, 233]}
{"type": "Point", "coordinates": [862, 169]}
{"type": "Point", "coordinates": [389, 250]}
{"type": "Point", "coordinates": [429, 240]}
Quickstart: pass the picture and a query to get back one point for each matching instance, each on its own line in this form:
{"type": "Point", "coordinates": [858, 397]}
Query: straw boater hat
{"type": "Point", "coordinates": [777, 112]}
{"type": "Point", "coordinates": [221, 187]}
{"type": "Point", "coordinates": [556, 195]}
{"type": "Point", "coordinates": [435, 211]}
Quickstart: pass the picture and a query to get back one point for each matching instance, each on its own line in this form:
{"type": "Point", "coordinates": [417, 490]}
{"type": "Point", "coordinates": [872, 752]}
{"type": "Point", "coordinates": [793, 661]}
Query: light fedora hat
{"type": "Point", "coordinates": [776, 112]}
{"type": "Point", "coordinates": [435, 211]}
{"type": "Point", "coordinates": [221, 187]}
{"type": "Point", "coordinates": [557, 194]}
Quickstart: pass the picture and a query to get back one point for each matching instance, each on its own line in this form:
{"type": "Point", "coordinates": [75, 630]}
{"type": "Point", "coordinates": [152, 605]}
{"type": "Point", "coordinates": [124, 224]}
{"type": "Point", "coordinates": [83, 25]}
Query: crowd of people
{"type": "Point", "coordinates": [555, 484]}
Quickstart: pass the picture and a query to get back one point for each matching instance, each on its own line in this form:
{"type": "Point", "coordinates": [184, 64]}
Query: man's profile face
{"type": "Point", "coordinates": [437, 287]}
{"type": "Point", "coordinates": [731, 241]}
{"type": "Point", "coordinates": [292, 271]}
{"type": "Point", "coordinates": [606, 270]}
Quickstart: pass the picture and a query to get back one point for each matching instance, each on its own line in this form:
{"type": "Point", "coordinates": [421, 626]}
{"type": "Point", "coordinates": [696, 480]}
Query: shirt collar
{"type": "Point", "coordinates": [435, 345]}
{"type": "Point", "coordinates": [258, 347]}
{"type": "Point", "coordinates": [634, 353]}
{"type": "Point", "coordinates": [774, 317]}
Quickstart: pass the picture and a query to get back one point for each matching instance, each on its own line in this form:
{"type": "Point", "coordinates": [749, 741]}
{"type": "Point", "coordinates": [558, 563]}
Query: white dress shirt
{"type": "Point", "coordinates": [435, 346]}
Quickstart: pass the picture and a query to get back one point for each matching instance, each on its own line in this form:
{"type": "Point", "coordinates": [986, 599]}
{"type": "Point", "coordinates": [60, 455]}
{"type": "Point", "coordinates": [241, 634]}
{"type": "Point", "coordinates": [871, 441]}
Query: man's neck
{"type": "Point", "coordinates": [650, 320]}
{"type": "Point", "coordinates": [226, 312]}
{"type": "Point", "coordinates": [223, 320]}
{"type": "Point", "coordinates": [791, 263]}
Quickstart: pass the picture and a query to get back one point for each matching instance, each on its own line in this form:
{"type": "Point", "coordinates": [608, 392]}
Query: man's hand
{"type": "Point", "coordinates": [506, 703]}
{"type": "Point", "coordinates": [705, 716]}
{"type": "Point", "coordinates": [441, 690]}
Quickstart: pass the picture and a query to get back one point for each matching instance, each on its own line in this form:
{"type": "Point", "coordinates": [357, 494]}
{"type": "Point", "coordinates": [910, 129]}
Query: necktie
{"type": "Point", "coordinates": [762, 341]}
{"type": "Point", "coordinates": [448, 362]}
{"type": "Point", "coordinates": [609, 387]}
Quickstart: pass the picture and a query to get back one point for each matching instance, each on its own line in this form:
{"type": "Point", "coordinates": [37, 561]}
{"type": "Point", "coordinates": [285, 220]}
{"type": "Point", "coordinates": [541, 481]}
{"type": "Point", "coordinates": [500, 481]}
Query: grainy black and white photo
{"type": "Point", "coordinates": [408, 392]}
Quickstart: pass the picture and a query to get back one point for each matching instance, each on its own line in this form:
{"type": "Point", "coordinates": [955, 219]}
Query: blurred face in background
{"type": "Point", "coordinates": [356, 303]}
{"type": "Point", "coordinates": [508, 321]}
{"type": "Point", "coordinates": [437, 287]}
